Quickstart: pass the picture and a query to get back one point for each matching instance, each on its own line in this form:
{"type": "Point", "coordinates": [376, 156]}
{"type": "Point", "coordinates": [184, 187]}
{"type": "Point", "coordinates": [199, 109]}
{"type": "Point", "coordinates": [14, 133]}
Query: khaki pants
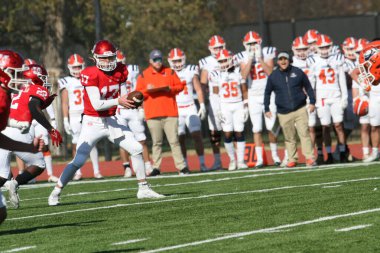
{"type": "Point", "coordinates": [157, 127]}
{"type": "Point", "coordinates": [294, 123]}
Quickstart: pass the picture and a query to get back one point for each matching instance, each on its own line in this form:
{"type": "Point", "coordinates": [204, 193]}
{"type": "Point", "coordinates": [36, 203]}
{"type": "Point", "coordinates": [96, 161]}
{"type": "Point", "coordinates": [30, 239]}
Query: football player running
{"type": "Point", "coordinates": [331, 93]}
{"type": "Point", "coordinates": [206, 65]}
{"type": "Point", "coordinates": [104, 90]}
{"type": "Point", "coordinates": [189, 117]}
{"type": "Point", "coordinates": [32, 98]}
{"type": "Point", "coordinates": [256, 65]}
{"type": "Point", "coordinates": [72, 91]}
{"type": "Point", "coordinates": [133, 119]}
{"type": "Point", "coordinates": [230, 104]}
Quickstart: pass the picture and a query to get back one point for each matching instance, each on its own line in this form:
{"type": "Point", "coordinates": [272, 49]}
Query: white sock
{"type": "Point", "coordinates": [375, 151]}
{"type": "Point", "coordinates": [148, 166]}
{"type": "Point", "coordinates": [230, 150]}
{"type": "Point", "coordinates": [365, 150]}
{"type": "Point", "coordinates": [259, 154]}
{"type": "Point", "coordinates": [273, 149]}
{"type": "Point", "coordinates": [49, 164]}
{"type": "Point", "coordinates": [201, 160]}
{"type": "Point", "coordinates": [138, 166]}
{"type": "Point", "coordinates": [240, 146]}
{"type": "Point", "coordinates": [57, 190]}
{"type": "Point", "coordinates": [143, 184]}
{"type": "Point", "coordinates": [95, 160]}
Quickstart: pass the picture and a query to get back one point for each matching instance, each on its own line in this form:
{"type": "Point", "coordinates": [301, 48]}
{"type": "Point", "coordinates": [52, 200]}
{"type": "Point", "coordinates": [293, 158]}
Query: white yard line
{"type": "Point", "coordinates": [19, 249]}
{"type": "Point", "coordinates": [332, 186]}
{"type": "Point", "coordinates": [130, 241]}
{"type": "Point", "coordinates": [264, 230]}
{"type": "Point", "coordinates": [190, 198]}
{"type": "Point", "coordinates": [353, 228]}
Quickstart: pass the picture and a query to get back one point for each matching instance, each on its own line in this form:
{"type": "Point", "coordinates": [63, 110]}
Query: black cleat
{"type": "Point", "coordinates": [184, 171]}
{"type": "Point", "coordinates": [155, 172]}
{"type": "Point", "coordinates": [330, 159]}
{"type": "Point", "coordinates": [320, 160]}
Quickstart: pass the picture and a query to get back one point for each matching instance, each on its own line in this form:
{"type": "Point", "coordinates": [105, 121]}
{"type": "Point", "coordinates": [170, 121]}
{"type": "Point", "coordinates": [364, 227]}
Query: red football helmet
{"type": "Point", "coordinates": [215, 44]}
{"type": "Point", "coordinates": [37, 75]}
{"type": "Point", "coordinates": [120, 57]}
{"type": "Point", "coordinates": [29, 61]}
{"type": "Point", "coordinates": [224, 58]}
{"type": "Point", "coordinates": [251, 39]}
{"type": "Point", "coordinates": [104, 53]}
{"type": "Point", "coordinates": [300, 47]}
{"type": "Point", "coordinates": [361, 106]}
{"type": "Point", "coordinates": [360, 45]}
{"type": "Point", "coordinates": [324, 45]}
{"type": "Point", "coordinates": [75, 64]}
{"type": "Point", "coordinates": [177, 59]}
{"type": "Point", "coordinates": [348, 47]}
{"type": "Point", "coordinates": [311, 37]}
{"type": "Point", "coordinates": [11, 65]}
{"type": "Point", "coordinates": [369, 64]}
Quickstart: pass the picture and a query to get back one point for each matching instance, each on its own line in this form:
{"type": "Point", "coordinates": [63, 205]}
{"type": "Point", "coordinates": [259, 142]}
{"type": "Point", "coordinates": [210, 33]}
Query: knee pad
{"type": "Point", "coordinates": [215, 136]}
{"type": "Point", "coordinates": [228, 139]}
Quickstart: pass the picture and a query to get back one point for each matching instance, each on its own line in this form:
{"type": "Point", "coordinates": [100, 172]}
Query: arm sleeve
{"type": "Point", "coordinates": [96, 101]}
{"type": "Point", "coordinates": [267, 94]}
{"type": "Point", "coordinates": [308, 87]}
{"type": "Point", "coordinates": [37, 114]}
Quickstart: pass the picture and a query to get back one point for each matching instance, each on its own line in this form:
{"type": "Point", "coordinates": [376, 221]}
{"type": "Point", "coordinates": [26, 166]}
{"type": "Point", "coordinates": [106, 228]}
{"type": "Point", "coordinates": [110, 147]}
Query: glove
{"type": "Point", "coordinates": [250, 52]}
{"type": "Point", "coordinates": [202, 111]}
{"type": "Point", "coordinates": [343, 103]}
{"type": "Point", "coordinates": [141, 114]}
{"type": "Point", "coordinates": [246, 113]}
{"type": "Point", "coordinates": [258, 52]}
{"type": "Point", "coordinates": [55, 137]}
{"type": "Point", "coordinates": [66, 125]}
{"type": "Point", "coordinates": [53, 123]}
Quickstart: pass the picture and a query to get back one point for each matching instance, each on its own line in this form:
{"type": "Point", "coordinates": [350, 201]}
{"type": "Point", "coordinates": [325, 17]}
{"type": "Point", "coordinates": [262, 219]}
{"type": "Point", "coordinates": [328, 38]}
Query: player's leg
{"type": "Point", "coordinates": [182, 115]}
{"type": "Point", "coordinates": [365, 130]}
{"type": "Point", "coordinates": [94, 156]}
{"type": "Point", "coordinates": [238, 129]}
{"type": "Point", "coordinates": [374, 119]}
{"type": "Point", "coordinates": [324, 115]}
{"type": "Point", "coordinates": [270, 125]}
{"type": "Point", "coordinates": [228, 129]}
{"type": "Point", "coordinates": [76, 126]}
{"type": "Point", "coordinates": [337, 114]}
{"type": "Point", "coordinates": [256, 115]}
{"type": "Point", "coordinates": [215, 128]}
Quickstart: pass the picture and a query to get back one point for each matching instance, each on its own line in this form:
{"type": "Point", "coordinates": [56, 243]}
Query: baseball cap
{"type": "Point", "coordinates": [283, 54]}
{"type": "Point", "coordinates": [155, 54]}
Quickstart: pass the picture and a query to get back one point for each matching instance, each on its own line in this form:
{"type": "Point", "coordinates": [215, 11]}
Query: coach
{"type": "Point", "coordinates": [289, 84]}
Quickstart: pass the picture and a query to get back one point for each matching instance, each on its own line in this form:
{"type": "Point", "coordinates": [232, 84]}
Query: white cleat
{"type": "Point", "coordinates": [54, 198]}
{"type": "Point", "coordinates": [284, 163]}
{"type": "Point", "coordinates": [12, 187]}
{"type": "Point", "coordinates": [371, 158]}
{"type": "Point", "coordinates": [145, 192]}
{"type": "Point", "coordinates": [77, 176]}
{"type": "Point", "coordinates": [53, 179]}
{"type": "Point", "coordinates": [242, 166]}
{"type": "Point", "coordinates": [128, 172]}
{"type": "Point", "coordinates": [98, 176]}
{"type": "Point", "coordinates": [232, 165]}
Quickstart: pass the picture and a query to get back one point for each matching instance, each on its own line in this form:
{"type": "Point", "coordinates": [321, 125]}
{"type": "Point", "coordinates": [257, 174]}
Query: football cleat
{"type": "Point", "coordinates": [77, 176]}
{"type": "Point", "coordinates": [128, 172]}
{"type": "Point", "coordinates": [371, 158]}
{"type": "Point", "coordinates": [14, 199]}
{"type": "Point", "coordinates": [98, 176]}
{"type": "Point", "coordinates": [145, 192]}
{"type": "Point", "coordinates": [232, 165]}
{"type": "Point", "coordinates": [54, 198]}
{"type": "Point", "coordinates": [242, 166]}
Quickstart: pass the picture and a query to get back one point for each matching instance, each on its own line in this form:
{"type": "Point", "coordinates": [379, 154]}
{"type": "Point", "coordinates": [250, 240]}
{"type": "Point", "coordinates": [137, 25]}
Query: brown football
{"type": "Point", "coordinates": [137, 97]}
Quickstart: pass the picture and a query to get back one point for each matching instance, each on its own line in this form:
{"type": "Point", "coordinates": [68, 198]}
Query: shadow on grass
{"type": "Point", "coordinates": [32, 229]}
{"type": "Point", "coordinates": [120, 250]}
{"type": "Point", "coordinates": [94, 201]}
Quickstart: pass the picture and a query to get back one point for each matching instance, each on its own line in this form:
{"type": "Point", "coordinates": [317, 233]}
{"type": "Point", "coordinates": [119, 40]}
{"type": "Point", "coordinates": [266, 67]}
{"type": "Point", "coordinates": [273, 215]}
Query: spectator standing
{"type": "Point", "coordinates": [290, 83]}
{"type": "Point", "coordinates": [160, 85]}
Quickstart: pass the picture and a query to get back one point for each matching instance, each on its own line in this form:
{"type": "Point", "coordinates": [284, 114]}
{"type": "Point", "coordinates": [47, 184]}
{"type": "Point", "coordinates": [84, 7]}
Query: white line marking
{"type": "Point", "coordinates": [130, 241]}
{"type": "Point", "coordinates": [263, 230]}
{"type": "Point", "coordinates": [189, 198]}
{"type": "Point", "coordinates": [19, 249]}
{"type": "Point", "coordinates": [332, 186]}
{"type": "Point", "coordinates": [353, 228]}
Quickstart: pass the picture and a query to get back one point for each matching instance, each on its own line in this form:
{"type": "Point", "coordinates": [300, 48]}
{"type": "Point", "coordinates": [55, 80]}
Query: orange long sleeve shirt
{"type": "Point", "coordinates": [162, 103]}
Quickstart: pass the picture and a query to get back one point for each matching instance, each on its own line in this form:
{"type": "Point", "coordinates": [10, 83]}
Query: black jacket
{"type": "Point", "coordinates": [289, 86]}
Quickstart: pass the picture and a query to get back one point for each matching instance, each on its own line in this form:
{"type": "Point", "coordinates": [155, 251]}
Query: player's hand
{"type": "Point", "coordinates": [343, 103]}
{"type": "Point", "coordinates": [38, 144]}
{"type": "Point", "coordinates": [246, 113]}
{"type": "Point", "coordinates": [258, 52]}
{"type": "Point", "coordinates": [251, 53]}
{"type": "Point", "coordinates": [202, 111]}
{"type": "Point", "coordinates": [55, 137]}
{"type": "Point", "coordinates": [66, 125]}
{"type": "Point", "coordinates": [268, 115]}
{"type": "Point", "coordinates": [311, 108]}
{"type": "Point", "coordinates": [123, 101]}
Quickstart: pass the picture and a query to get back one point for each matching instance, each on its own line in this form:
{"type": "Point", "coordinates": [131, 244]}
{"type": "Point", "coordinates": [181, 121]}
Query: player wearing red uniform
{"type": "Point", "coordinates": [104, 83]}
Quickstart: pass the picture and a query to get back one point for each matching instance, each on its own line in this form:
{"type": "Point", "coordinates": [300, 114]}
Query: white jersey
{"type": "Point", "coordinates": [75, 93]}
{"type": "Point", "coordinates": [133, 72]}
{"type": "Point", "coordinates": [257, 78]}
{"type": "Point", "coordinates": [210, 64]}
{"type": "Point", "coordinates": [349, 65]}
{"type": "Point", "coordinates": [186, 75]}
{"type": "Point", "coordinates": [229, 84]}
{"type": "Point", "coordinates": [303, 64]}
{"type": "Point", "coordinates": [330, 80]}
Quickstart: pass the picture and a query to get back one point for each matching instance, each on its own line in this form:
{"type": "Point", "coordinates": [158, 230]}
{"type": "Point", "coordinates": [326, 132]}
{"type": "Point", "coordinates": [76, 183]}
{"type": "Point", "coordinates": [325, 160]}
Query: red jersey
{"type": "Point", "coordinates": [108, 83]}
{"type": "Point", "coordinates": [5, 102]}
{"type": "Point", "coordinates": [20, 103]}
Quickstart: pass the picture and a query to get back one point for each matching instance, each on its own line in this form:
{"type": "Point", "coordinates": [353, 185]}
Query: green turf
{"type": "Point", "coordinates": [205, 207]}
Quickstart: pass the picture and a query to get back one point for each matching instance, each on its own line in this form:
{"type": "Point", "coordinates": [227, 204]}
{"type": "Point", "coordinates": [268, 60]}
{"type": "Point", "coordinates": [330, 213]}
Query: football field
{"type": "Point", "coordinates": [325, 209]}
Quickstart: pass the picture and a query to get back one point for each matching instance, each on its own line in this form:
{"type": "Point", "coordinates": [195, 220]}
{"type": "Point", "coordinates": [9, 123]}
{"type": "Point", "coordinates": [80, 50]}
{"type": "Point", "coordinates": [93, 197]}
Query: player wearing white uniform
{"type": "Point", "coordinates": [132, 119]}
{"type": "Point", "coordinates": [230, 101]}
{"type": "Point", "coordinates": [72, 108]}
{"type": "Point", "coordinates": [206, 66]}
{"type": "Point", "coordinates": [300, 49]}
{"type": "Point", "coordinates": [103, 85]}
{"type": "Point", "coordinates": [331, 93]}
{"type": "Point", "coordinates": [311, 36]}
{"type": "Point", "coordinates": [256, 65]}
{"type": "Point", "coordinates": [188, 116]}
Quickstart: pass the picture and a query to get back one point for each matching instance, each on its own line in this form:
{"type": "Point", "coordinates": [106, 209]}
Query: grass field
{"type": "Point", "coordinates": [325, 209]}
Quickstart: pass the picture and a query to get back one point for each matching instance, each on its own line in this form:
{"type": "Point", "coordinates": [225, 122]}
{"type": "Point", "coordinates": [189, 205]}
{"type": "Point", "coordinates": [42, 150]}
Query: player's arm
{"type": "Point", "coordinates": [100, 104]}
{"type": "Point", "coordinates": [198, 89]}
{"type": "Point", "coordinates": [246, 68]}
{"type": "Point", "coordinates": [204, 77]}
{"type": "Point", "coordinates": [267, 65]}
{"type": "Point", "coordinates": [65, 103]}
{"type": "Point", "coordinates": [12, 145]}
{"type": "Point", "coordinates": [244, 90]}
{"type": "Point", "coordinates": [355, 74]}
{"type": "Point", "coordinates": [35, 106]}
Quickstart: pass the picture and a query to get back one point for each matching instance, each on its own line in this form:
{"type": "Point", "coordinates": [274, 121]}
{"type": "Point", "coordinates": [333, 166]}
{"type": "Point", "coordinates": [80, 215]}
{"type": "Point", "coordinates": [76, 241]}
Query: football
{"type": "Point", "coordinates": [361, 106]}
{"type": "Point", "coordinates": [137, 97]}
